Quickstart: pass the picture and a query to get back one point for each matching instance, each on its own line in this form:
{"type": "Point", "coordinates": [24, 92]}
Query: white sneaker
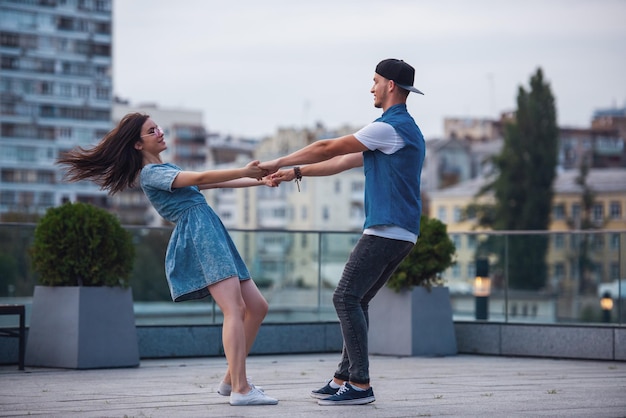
{"type": "Point", "coordinates": [254, 397]}
{"type": "Point", "coordinates": [225, 389]}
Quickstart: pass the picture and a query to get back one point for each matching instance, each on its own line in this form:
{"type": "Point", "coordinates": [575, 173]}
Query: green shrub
{"type": "Point", "coordinates": [431, 255]}
{"type": "Point", "coordinates": [78, 244]}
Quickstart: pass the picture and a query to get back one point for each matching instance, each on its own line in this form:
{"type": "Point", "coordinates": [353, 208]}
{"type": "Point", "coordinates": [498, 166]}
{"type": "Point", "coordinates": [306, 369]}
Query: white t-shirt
{"type": "Point", "coordinates": [383, 137]}
{"type": "Point", "coordinates": [380, 136]}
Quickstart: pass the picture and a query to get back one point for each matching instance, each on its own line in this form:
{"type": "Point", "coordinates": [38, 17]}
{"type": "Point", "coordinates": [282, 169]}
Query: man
{"type": "Point", "coordinates": [391, 149]}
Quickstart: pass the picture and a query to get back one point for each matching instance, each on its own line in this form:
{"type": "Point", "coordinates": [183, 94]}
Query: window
{"type": "Point", "coordinates": [441, 213]}
{"type": "Point", "coordinates": [574, 241]}
{"type": "Point", "coordinates": [103, 5]}
{"type": "Point", "coordinates": [9, 39]}
{"type": "Point", "coordinates": [471, 269]}
{"type": "Point", "coordinates": [615, 210]}
{"type": "Point", "coordinates": [26, 154]}
{"type": "Point", "coordinates": [46, 199]}
{"type": "Point", "coordinates": [356, 211]}
{"type": "Point", "coordinates": [357, 187]}
{"type": "Point", "coordinates": [83, 91]}
{"type": "Point", "coordinates": [558, 211]}
{"type": "Point", "coordinates": [46, 88]}
{"type": "Point", "coordinates": [576, 211]}
{"type": "Point", "coordinates": [45, 66]}
{"type": "Point", "coordinates": [615, 241]}
{"type": "Point", "coordinates": [7, 197]}
{"type": "Point", "coordinates": [65, 89]}
{"type": "Point", "coordinates": [9, 63]}
{"type": "Point", "coordinates": [470, 213]}
{"type": "Point", "coordinates": [456, 239]}
{"type": "Point", "coordinates": [457, 214]}
{"type": "Point", "coordinates": [598, 212]}
{"type": "Point", "coordinates": [45, 177]}
{"type": "Point", "coordinates": [614, 270]}
{"type": "Point", "coordinates": [456, 271]}
{"type": "Point", "coordinates": [559, 241]}
{"type": "Point", "coordinates": [559, 271]}
{"type": "Point", "coordinates": [597, 241]}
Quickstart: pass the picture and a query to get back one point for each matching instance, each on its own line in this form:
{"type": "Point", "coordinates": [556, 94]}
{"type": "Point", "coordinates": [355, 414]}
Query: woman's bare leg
{"type": "Point", "coordinates": [256, 309]}
{"type": "Point", "coordinates": [228, 296]}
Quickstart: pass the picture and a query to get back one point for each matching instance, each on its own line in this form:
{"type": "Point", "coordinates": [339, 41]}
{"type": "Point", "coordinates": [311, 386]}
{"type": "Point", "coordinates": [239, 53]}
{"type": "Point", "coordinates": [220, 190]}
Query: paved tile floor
{"type": "Point", "coordinates": [457, 386]}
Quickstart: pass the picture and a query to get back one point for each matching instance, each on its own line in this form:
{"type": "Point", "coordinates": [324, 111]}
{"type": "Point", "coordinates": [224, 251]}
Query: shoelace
{"type": "Point", "coordinates": [342, 390]}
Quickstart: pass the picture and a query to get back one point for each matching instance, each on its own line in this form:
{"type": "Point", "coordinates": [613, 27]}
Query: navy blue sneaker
{"type": "Point", "coordinates": [348, 395]}
{"type": "Point", "coordinates": [324, 392]}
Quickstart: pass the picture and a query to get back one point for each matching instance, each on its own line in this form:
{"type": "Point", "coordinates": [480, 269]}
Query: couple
{"type": "Point", "coordinates": [201, 258]}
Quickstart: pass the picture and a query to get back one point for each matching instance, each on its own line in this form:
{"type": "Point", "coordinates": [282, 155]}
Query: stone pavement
{"type": "Point", "coordinates": [457, 386]}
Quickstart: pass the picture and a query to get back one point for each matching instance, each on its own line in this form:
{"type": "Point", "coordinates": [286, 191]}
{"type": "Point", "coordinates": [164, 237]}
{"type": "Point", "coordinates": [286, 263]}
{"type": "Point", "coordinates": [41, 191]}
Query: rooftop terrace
{"type": "Point", "coordinates": [463, 385]}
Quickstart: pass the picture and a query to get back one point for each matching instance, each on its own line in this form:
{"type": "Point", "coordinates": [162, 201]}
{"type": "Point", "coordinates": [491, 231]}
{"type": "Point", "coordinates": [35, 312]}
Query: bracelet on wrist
{"type": "Point", "coordinates": [298, 173]}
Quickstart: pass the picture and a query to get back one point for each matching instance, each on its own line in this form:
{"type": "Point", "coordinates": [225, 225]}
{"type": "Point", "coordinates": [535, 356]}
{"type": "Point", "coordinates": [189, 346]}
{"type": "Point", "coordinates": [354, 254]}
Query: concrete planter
{"type": "Point", "coordinates": [82, 328]}
{"type": "Point", "coordinates": [412, 323]}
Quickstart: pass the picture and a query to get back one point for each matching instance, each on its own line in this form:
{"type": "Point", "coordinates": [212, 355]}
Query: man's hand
{"type": "Point", "coordinates": [269, 181]}
{"type": "Point", "coordinates": [286, 174]}
{"type": "Point", "coordinates": [253, 170]}
{"type": "Point", "coordinates": [270, 166]}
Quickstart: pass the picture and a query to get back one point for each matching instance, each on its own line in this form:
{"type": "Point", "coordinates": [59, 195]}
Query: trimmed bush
{"type": "Point", "coordinates": [432, 254]}
{"type": "Point", "coordinates": [78, 244]}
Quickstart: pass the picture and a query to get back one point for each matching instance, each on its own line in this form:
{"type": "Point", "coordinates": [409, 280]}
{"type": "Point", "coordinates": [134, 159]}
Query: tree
{"type": "Point", "coordinates": [582, 222]}
{"type": "Point", "coordinates": [522, 189]}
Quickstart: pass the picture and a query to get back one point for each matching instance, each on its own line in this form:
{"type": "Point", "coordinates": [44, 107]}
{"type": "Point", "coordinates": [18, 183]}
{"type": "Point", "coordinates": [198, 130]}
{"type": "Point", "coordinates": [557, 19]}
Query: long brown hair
{"type": "Point", "coordinates": [114, 163]}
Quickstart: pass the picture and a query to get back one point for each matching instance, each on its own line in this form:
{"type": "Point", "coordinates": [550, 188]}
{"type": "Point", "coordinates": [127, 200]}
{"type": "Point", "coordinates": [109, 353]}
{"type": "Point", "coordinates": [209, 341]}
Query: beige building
{"type": "Point", "coordinates": [606, 245]}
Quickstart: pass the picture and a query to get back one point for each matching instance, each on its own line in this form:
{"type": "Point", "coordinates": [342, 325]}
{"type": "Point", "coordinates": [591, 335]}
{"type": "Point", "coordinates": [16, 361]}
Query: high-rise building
{"type": "Point", "coordinates": [55, 94]}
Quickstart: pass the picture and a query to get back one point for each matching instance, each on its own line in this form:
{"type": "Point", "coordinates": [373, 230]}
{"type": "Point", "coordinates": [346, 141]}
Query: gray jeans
{"type": "Point", "coordinates": [371, 263]}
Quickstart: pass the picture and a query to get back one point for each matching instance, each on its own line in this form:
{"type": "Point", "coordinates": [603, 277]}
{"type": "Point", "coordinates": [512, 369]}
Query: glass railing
{"type": "Point", "coordinates": [297, 272]}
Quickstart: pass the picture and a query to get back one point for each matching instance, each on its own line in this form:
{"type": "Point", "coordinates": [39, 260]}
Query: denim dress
{"type": "Point", "coordinates": [200, 251]}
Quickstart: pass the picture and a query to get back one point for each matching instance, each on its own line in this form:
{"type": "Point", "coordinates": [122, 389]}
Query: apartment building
{"type": "Point", "coordinates": [602, 145]}
{"type": "Point", "coordinates": [607, 215]}
{"type": "Point", "coordinates": [55, 93]}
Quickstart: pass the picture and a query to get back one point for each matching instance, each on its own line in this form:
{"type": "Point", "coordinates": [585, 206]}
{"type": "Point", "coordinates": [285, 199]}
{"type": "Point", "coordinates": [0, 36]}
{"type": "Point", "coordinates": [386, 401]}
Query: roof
{"type": "Point", "coordinates": [601, 180]}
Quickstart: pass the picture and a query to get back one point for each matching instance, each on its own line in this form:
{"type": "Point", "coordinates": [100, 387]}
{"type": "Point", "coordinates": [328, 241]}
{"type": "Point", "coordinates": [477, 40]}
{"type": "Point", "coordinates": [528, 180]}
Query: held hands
{"type": "Point", "coordinates": [253, 170]}
{"type": "Point", "coordinates": [269, 174]}
{"type": "Point", "coordinates": [280, 176]}
{"type": "Point", "coordinates": [270, 166]}
{"type": "Point", "coordinates": [268, 181]}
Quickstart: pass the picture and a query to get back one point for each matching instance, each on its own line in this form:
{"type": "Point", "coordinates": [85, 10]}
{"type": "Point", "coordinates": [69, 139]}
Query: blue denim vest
{"type": "Point", "coordinates": [392, 182]}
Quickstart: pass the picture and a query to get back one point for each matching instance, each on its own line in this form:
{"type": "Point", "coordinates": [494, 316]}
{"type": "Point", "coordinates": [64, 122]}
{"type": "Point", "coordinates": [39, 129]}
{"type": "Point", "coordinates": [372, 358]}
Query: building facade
{"type": "Point", "coordinates": [55, 94]}
{"type": "Point", "coordinates": [602, 242]}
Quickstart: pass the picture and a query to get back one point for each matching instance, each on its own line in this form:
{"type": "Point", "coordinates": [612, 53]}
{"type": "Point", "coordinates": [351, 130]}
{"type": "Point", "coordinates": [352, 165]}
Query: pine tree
{"type": "Point", "coordinates": [523, 188]}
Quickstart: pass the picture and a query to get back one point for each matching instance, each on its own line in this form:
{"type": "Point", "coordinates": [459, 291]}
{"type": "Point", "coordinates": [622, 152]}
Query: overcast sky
{"type": "Point", "coordinates": [252, 66]}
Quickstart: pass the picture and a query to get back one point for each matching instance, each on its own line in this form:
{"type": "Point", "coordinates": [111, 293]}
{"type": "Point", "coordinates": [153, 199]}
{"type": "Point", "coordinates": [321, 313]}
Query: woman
{"type": "Point", "coordinates": [201, 258]}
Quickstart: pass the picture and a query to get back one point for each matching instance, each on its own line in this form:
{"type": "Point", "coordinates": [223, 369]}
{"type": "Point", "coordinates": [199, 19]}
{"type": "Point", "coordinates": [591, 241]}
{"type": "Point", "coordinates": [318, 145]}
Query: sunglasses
{"type": "Point", "coordinates": [156, 131]}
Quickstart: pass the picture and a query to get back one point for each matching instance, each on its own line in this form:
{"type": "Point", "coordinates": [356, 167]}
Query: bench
{"type": "Point", "coordinates": [21, 333]}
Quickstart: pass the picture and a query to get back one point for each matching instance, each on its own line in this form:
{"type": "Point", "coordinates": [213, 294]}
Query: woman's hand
{"type": "Point", "coordinates": [268, 181]}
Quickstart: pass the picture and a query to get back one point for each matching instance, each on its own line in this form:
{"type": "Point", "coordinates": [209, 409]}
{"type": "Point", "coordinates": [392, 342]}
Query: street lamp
{"type": "Point", "coordinates": [606, 303]}
{"type": "Point", "coordinates": [482, 288]}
